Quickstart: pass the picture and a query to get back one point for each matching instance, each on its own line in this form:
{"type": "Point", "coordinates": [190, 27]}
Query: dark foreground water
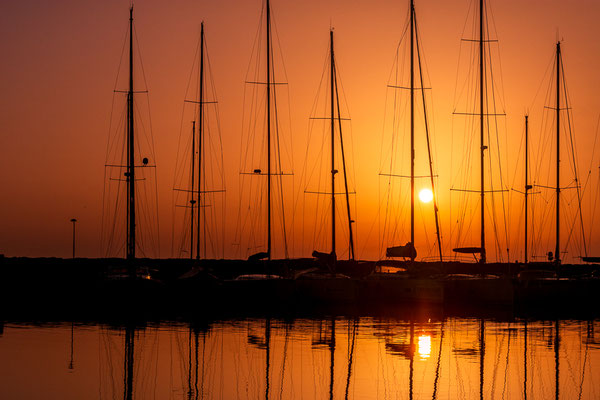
{"type": "Point", "coordinates": [303, 358]}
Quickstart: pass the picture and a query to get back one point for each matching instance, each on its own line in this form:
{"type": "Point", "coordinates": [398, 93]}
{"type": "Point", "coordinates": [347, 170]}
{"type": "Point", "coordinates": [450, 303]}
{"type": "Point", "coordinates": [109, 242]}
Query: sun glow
{"type": "Point", "coordinates": [425, 195]}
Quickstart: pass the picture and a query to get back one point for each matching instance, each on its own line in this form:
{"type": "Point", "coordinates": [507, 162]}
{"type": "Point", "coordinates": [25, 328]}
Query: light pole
{"type": "Point", "coordinates": [73, 220]}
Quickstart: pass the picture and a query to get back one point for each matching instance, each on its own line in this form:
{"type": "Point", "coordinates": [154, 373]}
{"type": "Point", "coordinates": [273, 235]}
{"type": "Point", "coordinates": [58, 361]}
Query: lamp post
{"type": "Point", "coordinates": [73, 220]}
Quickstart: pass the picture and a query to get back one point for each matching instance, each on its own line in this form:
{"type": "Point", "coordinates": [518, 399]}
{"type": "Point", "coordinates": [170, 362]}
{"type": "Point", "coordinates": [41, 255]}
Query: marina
{"type": "Point", "coordinates": [426, 228]}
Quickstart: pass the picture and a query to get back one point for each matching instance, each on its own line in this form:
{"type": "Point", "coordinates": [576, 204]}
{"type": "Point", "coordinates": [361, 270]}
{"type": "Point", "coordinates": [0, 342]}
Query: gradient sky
{"type": "Point", "coordinates": [60, 60]}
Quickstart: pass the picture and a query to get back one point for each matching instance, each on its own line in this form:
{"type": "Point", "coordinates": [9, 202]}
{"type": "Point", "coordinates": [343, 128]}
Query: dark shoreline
{"type": "Point", "coordinates": [55, 288]}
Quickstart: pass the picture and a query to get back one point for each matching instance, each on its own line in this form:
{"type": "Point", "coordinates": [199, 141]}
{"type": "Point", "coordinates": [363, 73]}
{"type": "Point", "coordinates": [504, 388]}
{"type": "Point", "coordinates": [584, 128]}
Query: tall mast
{"type": "Point", "coordinates": [482, 147]}
{"type": "Point", "coordinates": [200, 140]}
{"type": "Point", "coordinates": [192, 201]}
{"type": "Point", "coordinates": [527, 186]}
{"type": "Point", "coordinates": [557, 248]}
{"type": "Point", "coordinates": [412, 127]}
{"type": "Point", "coordinates": [333, 171]}
{"type": "Point", "coordinates": [130, 150]}
{"type": "Point", "coordinates": [269, 129]}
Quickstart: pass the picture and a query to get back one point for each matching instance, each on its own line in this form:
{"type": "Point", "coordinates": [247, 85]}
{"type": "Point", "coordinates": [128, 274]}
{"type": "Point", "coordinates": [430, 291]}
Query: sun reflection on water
{"type": "Point", "coordinates": [424, 346]}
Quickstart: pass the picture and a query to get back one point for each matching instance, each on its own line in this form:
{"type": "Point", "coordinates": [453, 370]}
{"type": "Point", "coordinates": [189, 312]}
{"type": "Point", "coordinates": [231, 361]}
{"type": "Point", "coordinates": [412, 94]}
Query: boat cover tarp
{"type": "Point", "coordinates": [259, 256]}
{"type": "Point", "coordinates": [467, 250]}
{"type": "Point", "coordinates": [591, 259]}
{"type": "Point", "coordinates": [408, 250]}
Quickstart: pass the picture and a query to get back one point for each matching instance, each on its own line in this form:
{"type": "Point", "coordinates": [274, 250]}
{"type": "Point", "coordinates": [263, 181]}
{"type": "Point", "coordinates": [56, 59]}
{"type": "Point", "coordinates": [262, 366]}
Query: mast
{"type": "Point", "coordinates": [130, 153]}
{"type": "Point", "coordinates": [481, 126]}
{"type": "Point", "coordinates": [200, 139]}
{"type": "Point", "coordinates": [269, 129]}
{"type": "Point", "coordinates": [557, 248]}
{"type": "Point", "coordinates": [412, 128]}
{"type": "Point", "coordinates": [192, 201]}
{"type": "Point", "coordinates": [527, 186]}
{"type": "Point", "coordinates": [333, 171]}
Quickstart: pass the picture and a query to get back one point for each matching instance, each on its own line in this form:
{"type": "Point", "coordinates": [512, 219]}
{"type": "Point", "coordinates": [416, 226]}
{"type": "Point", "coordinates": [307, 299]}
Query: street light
{"type": "Point", "coordinates": [73, 220]}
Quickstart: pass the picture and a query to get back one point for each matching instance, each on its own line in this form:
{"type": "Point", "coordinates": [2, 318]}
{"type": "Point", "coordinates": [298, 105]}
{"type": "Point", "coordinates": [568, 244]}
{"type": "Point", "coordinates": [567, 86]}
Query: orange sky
{"type": "Point", "coordinates": [61, 59]}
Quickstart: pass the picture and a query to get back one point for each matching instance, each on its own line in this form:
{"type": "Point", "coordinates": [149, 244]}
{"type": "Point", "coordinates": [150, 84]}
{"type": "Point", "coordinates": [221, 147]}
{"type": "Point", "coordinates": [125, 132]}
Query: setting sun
{"type": "Point", "coordinates": [425, 195]}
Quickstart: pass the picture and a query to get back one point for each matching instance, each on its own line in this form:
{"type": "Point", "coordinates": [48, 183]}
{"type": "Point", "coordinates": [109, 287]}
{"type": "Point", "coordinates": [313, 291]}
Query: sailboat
{"type": "Point", "coordinates": [556, 257]}
{"type": "Point", "coordinates": [335, 120]}
{"type": "Point", "coordinates": [331, 282]}
{"type": "Point", "coordinates": [203, 198]}
{"type": "Point", "coordinates": [263, 166]}
{"type": "Point", "coordinates": [135, 284]}
{"type": "Point", "coordinates": [409, 250]}
{"type": "Point", "coordinates": [134, 170]}
{"type": "Point", "coordinates": [263, 277]}
{"type": "Point", "coordinates": [486, 113]}
{"type": "Point", "coordinates": [559, 110]}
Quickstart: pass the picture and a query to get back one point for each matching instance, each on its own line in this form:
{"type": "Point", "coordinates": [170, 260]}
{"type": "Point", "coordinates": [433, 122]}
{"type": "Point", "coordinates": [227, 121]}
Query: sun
{"type": "Point", "coordinates": [425, 195]}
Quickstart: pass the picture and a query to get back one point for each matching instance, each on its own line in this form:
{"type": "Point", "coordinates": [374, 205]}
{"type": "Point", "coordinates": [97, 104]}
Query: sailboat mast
{"type": "Point", "coordinates": [527, 187]}
{"type": "Point", "coordinates": [200, 138]}
{"type": "Point", "coordinates": [557, 248]}
{"type": "Point", "coordinates": [268, 129]}
{"type": "Point", "coordinates": [192, 201]}
{"type": "Point", "coordinates": [130, 152]}
{"type": "Point", "coordinates": [481, 126]}
{"type": "Point", "coordinates": [412, 128]}
{"type": "Point", "coordinates": [333, 171]}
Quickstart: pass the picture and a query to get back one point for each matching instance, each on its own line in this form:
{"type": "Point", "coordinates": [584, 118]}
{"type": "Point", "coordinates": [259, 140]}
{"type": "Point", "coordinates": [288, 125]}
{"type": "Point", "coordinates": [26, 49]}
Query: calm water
{"type": "Point", "coordinates": [320, 358]}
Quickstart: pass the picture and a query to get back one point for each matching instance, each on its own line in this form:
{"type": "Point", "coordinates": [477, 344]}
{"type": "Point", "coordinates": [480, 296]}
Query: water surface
{"type": "Point", "coordinates": [303, 358]}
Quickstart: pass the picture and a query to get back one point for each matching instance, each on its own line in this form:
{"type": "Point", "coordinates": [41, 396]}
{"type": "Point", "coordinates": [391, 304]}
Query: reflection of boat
{"type": "Point", "coordinates": [129, 360]}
